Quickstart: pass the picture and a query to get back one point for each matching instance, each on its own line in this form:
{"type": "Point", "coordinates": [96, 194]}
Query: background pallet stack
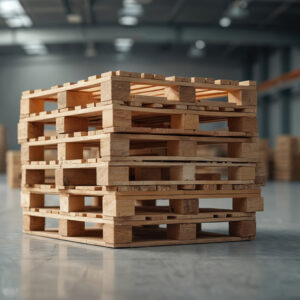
{"type": "Point", "coordinates": [13, 168]}
{"type": "Point", "coordinates": [264, 157]}
{"type": "Point", "coordinates": [287, 158]}
{"type": "Point", "coordinates": [145, 173]}
{"type": "Point", "coordinates": [2, 148]}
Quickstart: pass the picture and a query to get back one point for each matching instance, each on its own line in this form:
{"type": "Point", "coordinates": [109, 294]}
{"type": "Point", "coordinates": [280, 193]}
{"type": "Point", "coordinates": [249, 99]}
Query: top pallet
{"type": "Point", "coordinates": [124, 86]}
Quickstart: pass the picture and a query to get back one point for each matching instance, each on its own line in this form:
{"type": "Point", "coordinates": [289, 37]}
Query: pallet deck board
{"type": "Point", "coordinates": [98, 241]}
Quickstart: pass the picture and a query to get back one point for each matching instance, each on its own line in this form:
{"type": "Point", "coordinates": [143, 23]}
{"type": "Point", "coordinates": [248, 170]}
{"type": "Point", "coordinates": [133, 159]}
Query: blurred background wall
{"type": "Point", "coordinates": [279, 107]}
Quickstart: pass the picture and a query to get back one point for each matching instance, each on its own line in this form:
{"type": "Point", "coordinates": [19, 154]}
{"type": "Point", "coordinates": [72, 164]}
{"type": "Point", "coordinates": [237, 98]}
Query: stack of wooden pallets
{"type": "Point", "coordinates": [143, 185]}
{"type": "Point", "coordinates": [287, 158]}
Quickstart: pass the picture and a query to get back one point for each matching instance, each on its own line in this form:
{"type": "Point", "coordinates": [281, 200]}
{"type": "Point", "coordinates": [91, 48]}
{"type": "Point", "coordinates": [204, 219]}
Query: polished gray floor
{"type": "Point", "coordinates": [267, 268]}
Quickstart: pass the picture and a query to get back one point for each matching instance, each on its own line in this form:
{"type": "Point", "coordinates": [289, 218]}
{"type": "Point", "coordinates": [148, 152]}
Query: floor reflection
{"type": "Point", "coordinates": [41, 268]}
{"type": "Point", "coordinates": [78, 270]}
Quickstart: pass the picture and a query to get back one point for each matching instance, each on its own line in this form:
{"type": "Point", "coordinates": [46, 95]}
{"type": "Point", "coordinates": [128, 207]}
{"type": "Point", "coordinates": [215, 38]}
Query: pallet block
{"type": "Point", "coordinates": [33, 223]}
{"type": "Point", "coordinates": [181, 231]}
{"type": "Point", "coordinates": [243, 228]}
{"type": "Point", "coordinates": [131, 162]}
{"type": "Point", "coordinates": [71, 228]}
{"type": "Point", "coordinates": [73, 98]}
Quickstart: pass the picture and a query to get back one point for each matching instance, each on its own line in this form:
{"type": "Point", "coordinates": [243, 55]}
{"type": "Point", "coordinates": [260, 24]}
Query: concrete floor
{"type": "Point", "coordinates": [267, 268]}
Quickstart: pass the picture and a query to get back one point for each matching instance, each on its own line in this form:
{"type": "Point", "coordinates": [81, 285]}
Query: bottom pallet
{"type": "Point", "coordinates": [93, 237]}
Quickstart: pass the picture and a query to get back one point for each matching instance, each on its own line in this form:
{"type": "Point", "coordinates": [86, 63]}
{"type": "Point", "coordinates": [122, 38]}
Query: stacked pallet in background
{"type": "Point", "coordinates": [264, 157]}
{"type": "Point", "coordinates": [287, 158]}
{"type": "Point", "coordinates": [2, 148]}
{"type": "Point", "coordinates": [13, 168]}
{"type": "Point", "coordinates": [143, 182]}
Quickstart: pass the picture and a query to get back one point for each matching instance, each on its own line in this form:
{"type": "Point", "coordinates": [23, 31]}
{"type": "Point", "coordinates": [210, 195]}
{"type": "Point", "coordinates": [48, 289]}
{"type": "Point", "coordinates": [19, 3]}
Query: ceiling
{"type": "Point", "coordinates": [267, 14]}
{"type": "Point", "coordinates": [171, 25]}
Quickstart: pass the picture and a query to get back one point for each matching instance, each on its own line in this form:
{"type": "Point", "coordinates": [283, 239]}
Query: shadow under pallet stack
{"type": "Point", "coordinates": [144, 182]}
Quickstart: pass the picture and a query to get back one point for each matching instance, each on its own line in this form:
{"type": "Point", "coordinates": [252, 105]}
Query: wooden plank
{"type": "Point", "coordinates": [92, 240]}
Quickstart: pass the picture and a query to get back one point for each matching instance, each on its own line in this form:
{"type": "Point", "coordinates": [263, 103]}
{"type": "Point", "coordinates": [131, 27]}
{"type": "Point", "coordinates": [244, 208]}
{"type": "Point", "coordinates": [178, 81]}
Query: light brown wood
{"type": "Point", "coordinates": [128, 139]}
{"type": "Point", "coordinates": [71, 228]}
{"type": "Point", "coordinates": [185, 121]}
{"type": "Point", "coordinates": [116, 118]}
{"type": "Point", "coordinates": [33, 177]}
{"type": "Point", "coordinates": [13, 169]}
{"type": "Point", "coordinates": [113, 145]}
{"type": "Point", "coordinates": [73, 98]}
{"type": "Point", "coordinates": [241, 173]}
{"type": "Point", "coordinates": [250, 204]}
{"type": "Point", "coordinates": [243, 97]}
{"type": "Point", "coordinates": [112, 175]}
{"type": "Point", "coordinates": [118, 234]}
{"type": "Point", "coordinates": [242, 228]}
{"type": "Point", "coordinates": [92, 240]}
{"type": "Point", "coordinates": [71, 124]}
{"type": "Point", "coordinates": [184, 206]}
{"type": "Point", "coordinates": [29, 130]}
{"type": "Point", "coordinates": [67, 151]}
{"type": "Point", "coordinates": [31, 200]}
{"type": "Point", "coordinates": [182, 231]}
{"type": "Point", "coordinates": [182, 148]}
{"type": "Point", "coordinates": [185, 173]}
{"type": "Point", "coordinates": [113, 207]}
{"type": "Point", "coordinates": [243, 124]}
{"type": "Point", "coordinates": [33, 223]}
{"type": "Point", "coordinates": [115, 90]}
{"type": "Point", "coordinates": [180, 93]}
{"type": "Point", "coordinates": [70, 203]}
{"type": "Point", "coordinates": [287, 158]}
{"type": "Point", "coordinates": [28, 106]}
{"type": "Point", "coordinates": [66, 177]}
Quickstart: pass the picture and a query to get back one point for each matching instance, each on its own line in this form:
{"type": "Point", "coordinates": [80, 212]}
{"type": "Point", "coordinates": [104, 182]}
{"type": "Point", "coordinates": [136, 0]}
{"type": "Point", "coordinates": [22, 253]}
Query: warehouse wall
{"type": "Point", "coordinates": [275, 98]}
{"type": "Point", "coordinates": [296, 96]}
{"type": "Point", "coordinates": [18, 74]}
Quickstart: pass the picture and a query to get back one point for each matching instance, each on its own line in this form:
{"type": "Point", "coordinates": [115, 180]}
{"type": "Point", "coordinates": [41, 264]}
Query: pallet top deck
{"type": "Point", "coordinates": [142, 80]}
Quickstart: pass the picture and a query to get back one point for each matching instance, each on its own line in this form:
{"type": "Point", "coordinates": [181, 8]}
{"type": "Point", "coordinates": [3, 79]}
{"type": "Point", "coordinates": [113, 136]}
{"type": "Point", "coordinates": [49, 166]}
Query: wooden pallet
{"type": "Point", "coordinates": [146, 141]}
{"type": "Point", "coordinates": [120, 145]}
{"type": "Point", "coordinates": [117, 204]}
{"type": "Point", "coordinates": [162, 157]}
{"type": "Point", "coordinates": [142, 120]}
{"type": "Point", "coordinates": [120, 101]}
{"type": "Point", "coordinates": [121, 85]}
{"type": "Point", "coordinates": [131, 219]}
{"type": "Point", "coordinates": [139, 234]}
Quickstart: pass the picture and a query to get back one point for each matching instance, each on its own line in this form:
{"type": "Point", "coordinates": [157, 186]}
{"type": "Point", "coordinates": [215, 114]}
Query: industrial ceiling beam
{"type": "Point", "coordinates": [149, 34]}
